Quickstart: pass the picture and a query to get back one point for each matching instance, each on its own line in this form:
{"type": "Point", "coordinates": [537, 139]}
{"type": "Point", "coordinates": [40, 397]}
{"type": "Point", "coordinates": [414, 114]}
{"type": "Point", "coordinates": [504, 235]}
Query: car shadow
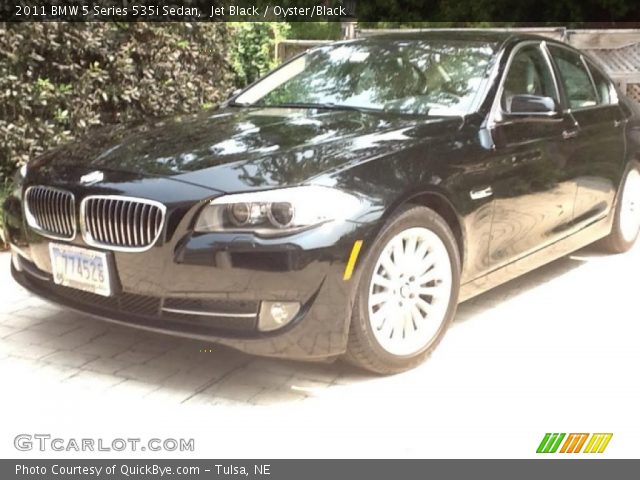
{"type": "Point", "coordinates": [520, 285]}
{"type": "Point", "coordinates": [121, 361]}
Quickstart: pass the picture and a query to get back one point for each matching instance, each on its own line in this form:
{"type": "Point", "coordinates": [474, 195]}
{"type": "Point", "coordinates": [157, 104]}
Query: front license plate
{"type": "Point", "coordinates": [80, 268]}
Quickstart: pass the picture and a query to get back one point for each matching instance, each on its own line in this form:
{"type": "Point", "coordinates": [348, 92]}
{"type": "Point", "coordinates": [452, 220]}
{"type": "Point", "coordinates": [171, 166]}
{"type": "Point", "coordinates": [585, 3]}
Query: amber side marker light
{"type": "Point", "coordinates": [355, 251]}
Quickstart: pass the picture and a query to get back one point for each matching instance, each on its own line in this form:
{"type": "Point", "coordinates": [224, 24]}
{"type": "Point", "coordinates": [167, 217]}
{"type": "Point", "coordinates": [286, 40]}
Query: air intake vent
{"type": "Point", "coordinates": [51, 212]}
{"type": "Point", "coordinates": [121, 223]}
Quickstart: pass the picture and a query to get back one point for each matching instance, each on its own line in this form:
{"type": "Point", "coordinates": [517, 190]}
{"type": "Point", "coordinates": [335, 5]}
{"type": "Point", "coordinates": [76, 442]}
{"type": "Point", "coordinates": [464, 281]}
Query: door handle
{"type": "Point", "coordinates": [567, 134]}
{"type": "Point", "coordinates": [481, 193]}
{"type": "Point", "coordinates": [617, 123]}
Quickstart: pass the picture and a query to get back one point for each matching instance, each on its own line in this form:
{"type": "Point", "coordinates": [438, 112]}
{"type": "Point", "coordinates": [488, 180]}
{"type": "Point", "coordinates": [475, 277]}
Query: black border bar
{"type": "Point", "coordinates": [455, 13]}
{"type": "Point", "coordinates": [583, 469]}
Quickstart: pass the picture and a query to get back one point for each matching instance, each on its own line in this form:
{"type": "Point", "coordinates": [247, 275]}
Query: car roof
{"type": "Point", "coordinates": [479, 34]}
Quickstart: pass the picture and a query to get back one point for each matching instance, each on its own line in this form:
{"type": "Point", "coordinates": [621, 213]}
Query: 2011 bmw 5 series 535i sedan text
{"type": "Point", "coordinates": [344, 204]}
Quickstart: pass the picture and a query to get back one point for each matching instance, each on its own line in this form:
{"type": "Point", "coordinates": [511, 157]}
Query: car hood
{"type": "Point", "coordinates": [238, 149]}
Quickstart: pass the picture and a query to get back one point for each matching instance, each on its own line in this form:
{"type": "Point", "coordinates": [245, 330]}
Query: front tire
{"type": "Point", "coordinates": [407, 294]}
{"type": "Point", "coordinates": [626, 222]}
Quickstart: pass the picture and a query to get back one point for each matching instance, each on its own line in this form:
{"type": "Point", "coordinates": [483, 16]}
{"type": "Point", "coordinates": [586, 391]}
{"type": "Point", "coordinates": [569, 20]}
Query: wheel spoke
{"type": "Point", "coordinates": [381, 281]}
{"type": "Point", "coordinates": [378, 298]}
{"type": "Point", "coordinates": [380, 317]}
{"type": "Point", "coordinates": [408, 323]}
{"type": "Point", "coordinates": [389, 266]}
{"type": "Point", "coordinates": [418, 318]}
{"type": "Point", "coordinates": [424, 306]}
{"type": "Point", "coordinates": [410, 248]}
{"type": "Point", "coordinates": [426, 265]}
{"type": "Point", "coordinates": [428, 277]}
{"type": "Point", "coordinates": [387, 327]}
{"type": "Point", "coordinates": [421, 251]}
{"type": "Point", "coordinates": [398, 254]}
{"type": "Point", "coordinates": [432, 291]}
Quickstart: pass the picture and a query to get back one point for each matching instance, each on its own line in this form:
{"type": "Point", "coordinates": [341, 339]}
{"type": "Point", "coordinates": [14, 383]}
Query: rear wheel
{"type": "Point", "coordinates": [626, 223]}
{"type": "Point", "coordinates": [407, 294]}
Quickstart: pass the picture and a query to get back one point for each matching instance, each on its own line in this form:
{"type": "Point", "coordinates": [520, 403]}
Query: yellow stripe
{"type": "Point", "coordinates": [598, 442]}
{"type": "Point", "coordinates": [607, 437]}
{"type": "Point", "coordinates": [587, 449]}
{"type": "Point", "coordinates": [348, 270]}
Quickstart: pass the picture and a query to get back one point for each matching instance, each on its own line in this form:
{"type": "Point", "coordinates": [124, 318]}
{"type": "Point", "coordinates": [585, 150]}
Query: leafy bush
{"type": "Point", "coordinates": [315, 31]}
{"type": "Point", "coordinates": [57, 80]}
{"type": "Point", "coordinates": [253, 47]}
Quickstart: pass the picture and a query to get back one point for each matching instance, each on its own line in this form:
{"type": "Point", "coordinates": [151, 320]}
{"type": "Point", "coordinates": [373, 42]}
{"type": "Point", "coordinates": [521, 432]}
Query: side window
{"type": "Point", "coordinates": [528, 75]}
{"type": "Point", "coordinates": [604, 88]}
{"type": "Point", "coordinates": [575, 78]}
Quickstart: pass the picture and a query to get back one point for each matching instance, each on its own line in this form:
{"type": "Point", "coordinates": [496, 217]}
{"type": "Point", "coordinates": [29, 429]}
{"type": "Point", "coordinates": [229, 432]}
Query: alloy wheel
{"type": "Point", "coordinates": [409, 291]}
{"type": "Point", "coordinates": [630, 208]}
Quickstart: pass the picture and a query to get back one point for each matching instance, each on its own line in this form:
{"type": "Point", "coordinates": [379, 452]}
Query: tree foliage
{"type": "Point", "coordinates": [252, 49]}
{"type": "Point", "coordinates": [57, 80]}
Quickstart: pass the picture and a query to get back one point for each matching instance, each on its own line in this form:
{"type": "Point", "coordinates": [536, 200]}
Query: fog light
{"type": "Point", "coordinates": [274, 315]}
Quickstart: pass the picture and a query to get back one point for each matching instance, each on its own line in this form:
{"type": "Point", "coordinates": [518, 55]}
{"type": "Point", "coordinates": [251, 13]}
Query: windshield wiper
{"type": "Point", "coordinates": [320, 106]}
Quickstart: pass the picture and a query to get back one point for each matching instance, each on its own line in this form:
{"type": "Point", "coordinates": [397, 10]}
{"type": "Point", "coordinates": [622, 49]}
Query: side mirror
{"type": "Point", "coordinates": [532, 105]}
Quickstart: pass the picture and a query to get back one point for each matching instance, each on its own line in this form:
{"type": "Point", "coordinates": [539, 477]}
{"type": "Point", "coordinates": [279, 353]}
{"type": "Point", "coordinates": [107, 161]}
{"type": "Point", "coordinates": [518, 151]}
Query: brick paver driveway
{"type": "Point", "coordinates": [556, 350]}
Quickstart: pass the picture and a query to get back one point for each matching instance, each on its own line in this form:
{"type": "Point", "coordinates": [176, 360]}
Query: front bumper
{"type": "Point", "coordinates": [228, 275]}
{"type": "Point", "coordinates": [319, 330]}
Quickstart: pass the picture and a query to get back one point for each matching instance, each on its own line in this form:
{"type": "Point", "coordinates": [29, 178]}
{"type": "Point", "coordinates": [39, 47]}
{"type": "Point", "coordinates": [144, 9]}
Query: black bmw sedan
{"type": "Point", "coordinates": [344, 204]}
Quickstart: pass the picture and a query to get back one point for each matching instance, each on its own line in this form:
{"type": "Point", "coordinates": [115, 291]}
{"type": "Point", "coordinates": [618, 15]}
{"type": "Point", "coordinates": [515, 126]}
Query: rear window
{"type": "Point", "coordinates": [604, 88]}
{"type": "Point", "coordinates": [575, 78]}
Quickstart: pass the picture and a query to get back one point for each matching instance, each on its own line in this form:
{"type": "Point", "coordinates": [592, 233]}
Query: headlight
{"type": "Point", "coordinates": [277, 212]}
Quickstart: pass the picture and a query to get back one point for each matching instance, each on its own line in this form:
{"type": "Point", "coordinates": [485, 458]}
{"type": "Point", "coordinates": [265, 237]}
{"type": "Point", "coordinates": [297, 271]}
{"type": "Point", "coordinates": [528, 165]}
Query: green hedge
{"type": "Point", "coordinates": [252, 49]}
{"type": "Point", "coordinates": [58, 80]}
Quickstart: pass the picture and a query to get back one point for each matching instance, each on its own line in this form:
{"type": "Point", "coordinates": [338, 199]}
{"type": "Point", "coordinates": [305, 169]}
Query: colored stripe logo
{"type": "Point", "coordinates": [550, 442]}
{"type": "Point", "coordinates": [574, 442]}
{"type": "Point", "coordinates": [598, 442]}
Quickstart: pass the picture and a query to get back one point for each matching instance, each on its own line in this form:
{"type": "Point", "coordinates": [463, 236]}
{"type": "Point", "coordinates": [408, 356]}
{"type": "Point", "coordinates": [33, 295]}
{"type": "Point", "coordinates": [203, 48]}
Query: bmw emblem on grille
{"type": "Point", "coordinates": [91, 178]}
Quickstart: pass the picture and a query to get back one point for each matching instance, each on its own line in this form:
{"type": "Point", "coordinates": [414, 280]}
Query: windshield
{"type": "Point", "coordinates": [411, 77]}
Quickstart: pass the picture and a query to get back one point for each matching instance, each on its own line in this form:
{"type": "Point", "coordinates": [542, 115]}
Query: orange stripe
{"type": "Point", "coordinates": [583, 439]}
{"type": "Point", "coordinates": [576, 439]}
{"type": "Point", "coordinates": [566, 443]}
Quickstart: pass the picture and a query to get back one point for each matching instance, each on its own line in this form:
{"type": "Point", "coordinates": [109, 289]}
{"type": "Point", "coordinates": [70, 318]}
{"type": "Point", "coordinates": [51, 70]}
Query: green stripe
{"type": "Point", "coordinates": [553, 441]}
{"type": "Point", "coordinates": [558, 442]}
{"type": "Point", "coordinates": [549, 444]}
{"type": "Point", "coordinates": [543, 443]}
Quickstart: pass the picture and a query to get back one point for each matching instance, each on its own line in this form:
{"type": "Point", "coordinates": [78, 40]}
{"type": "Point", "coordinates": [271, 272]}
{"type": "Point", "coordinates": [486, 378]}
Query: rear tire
{"type": "Point", "coordinates": [407, 293]}
{"type": "Point", "coordinates": [626, 222]}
